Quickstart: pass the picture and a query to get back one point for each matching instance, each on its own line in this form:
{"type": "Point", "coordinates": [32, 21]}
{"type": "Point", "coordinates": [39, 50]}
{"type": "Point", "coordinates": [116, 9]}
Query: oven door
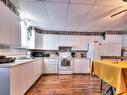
{"type": "Point", "coordinates": [65, 64]}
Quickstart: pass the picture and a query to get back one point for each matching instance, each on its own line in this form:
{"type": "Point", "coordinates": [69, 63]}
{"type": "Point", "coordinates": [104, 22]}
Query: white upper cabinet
{"type": "Point", "coordinates": [110, 38]}
{"type": "Point", "coordinates": [54, 41]}
{"type": "Point", "coordinates": [50, 42]}
{"type": "Point", "coordinates": [15, 29]}
{"type": "Point", "coordinates": [38, 40]}
{"type": "Point", "coordinates": [79, 43]}
{"type": "Point", "coordinates": [4, 24]}
{"type": "Point", "coordinates": [10, 29]}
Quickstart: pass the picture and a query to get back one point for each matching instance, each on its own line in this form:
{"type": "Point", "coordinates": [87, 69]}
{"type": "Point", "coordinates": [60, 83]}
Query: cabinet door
{"type": "Point", "coordinates": [77, 66]}
{"type": "Point", "coordinates": [37, 69]}
{"type": "Point", "coordinates": [38, 40]}
{"type": "Point", "coordinates": [113, 38]}
{"type": "Point", "coordinates": [15, 80]}
{"type": "Point", "coordinates": [4, 24]}
{"type": "Point", "coordinates": [28, 75]}
{"type": "Point", "coordinates": [85, 64]}
{"type": "Point", "coordinates": [79, 43]}
{"type": "Point", "coordinates": [113, 49]}
{"type": "Point", "coordinates": [75, 41]}
{"type": "Point", "coordinates": [40, 67]}
{"type": "Point", "coordinates": [24, 78]}
{"type": "Point", "coordinates": [50, 42]}
{"type": "Point", "coordinates": [67, 40]}
{"type": "Point", "coordinates": [15, 28]}
{"type": "Point", "coordinates": [81, 66]}
{"type": "Point", "coordinates": [117, 49]}
{"type": "Point", "coordinates": [50, 66]}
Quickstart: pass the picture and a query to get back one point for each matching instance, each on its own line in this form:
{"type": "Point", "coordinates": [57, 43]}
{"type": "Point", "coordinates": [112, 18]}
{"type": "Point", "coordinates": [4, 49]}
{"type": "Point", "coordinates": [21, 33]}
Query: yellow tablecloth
{"type": "Point", "coordinates": [114, 74]}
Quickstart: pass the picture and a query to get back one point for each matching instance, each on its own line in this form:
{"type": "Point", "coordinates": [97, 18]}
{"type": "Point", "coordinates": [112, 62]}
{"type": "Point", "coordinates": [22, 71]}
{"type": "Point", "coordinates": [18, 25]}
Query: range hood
{"type": "Point", "coordinates": [64, 48]}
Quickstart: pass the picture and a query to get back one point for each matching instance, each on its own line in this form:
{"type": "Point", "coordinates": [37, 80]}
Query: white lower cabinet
{"type": "Point", "coordinates": [81, 66]}
{"type": "Point", "coordinates": [50, 66]}
{"type": "Point", "coordinates": [15, 81]}
{"type": "Point", "coordinates": [23, 76]}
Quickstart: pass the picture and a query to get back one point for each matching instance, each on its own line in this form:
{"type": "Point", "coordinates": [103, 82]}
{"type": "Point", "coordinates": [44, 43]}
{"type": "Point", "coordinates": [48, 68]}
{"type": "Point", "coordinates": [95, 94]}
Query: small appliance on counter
{"type": "Point", "coordinates": [36, 54]}
{"type": "Point", "coordinates": [40, 54]}
{"type": "Point", "coordinates": [78, 54]}
{"type": "Point", "coordinates": [73, 54]}
{"type": "Point", "coordinates": [4, 59]}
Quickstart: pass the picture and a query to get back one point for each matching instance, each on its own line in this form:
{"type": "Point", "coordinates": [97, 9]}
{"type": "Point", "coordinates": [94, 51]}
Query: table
{"type": "Point", "coordinates": [114, 74]}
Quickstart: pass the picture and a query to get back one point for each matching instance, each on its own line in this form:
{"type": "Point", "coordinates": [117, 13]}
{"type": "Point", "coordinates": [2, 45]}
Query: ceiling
{"type": "Point", "coordinates": [74, 15]}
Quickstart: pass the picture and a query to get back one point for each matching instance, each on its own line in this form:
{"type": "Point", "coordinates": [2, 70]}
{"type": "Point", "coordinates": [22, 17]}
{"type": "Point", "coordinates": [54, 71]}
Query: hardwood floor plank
{"type": "Point", "coordinates": [66, 85]}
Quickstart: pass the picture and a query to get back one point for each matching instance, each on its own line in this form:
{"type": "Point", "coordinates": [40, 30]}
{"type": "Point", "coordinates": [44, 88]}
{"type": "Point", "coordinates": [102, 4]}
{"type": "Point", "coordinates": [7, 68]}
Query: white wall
{"type": "Point", "coordinates": [25, 42]}
{"type": "Point", "coordinates": [12, 52]}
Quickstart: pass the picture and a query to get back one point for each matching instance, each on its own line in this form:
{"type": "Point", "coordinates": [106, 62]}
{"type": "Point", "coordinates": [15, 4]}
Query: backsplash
{"type": "Point", "coordinates": [55, 53]}
{"type": "Point", "coordinates": [44, 53]}
{"type": "Point", "coordinates": [12, 51]}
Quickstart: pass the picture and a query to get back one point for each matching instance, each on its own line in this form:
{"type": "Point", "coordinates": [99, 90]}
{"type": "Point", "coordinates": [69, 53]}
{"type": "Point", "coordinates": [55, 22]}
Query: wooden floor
{"type": "Point", "coordinates": [66, 85]}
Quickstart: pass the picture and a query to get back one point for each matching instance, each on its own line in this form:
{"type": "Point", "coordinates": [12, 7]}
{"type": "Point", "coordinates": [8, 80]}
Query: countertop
{"type": "Point", "coordinates": [50, 57]}
{"type": "Point", "coordinates": [18, 62]}
{"type": "Point", "coordinates": [60, 58]}
{"type": "Point", "coordinates": [81, 58]}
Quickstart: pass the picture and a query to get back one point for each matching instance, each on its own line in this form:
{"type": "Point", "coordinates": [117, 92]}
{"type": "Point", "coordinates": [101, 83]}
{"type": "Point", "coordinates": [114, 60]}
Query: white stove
{"type": "Point", "coordinates": [65, 63]}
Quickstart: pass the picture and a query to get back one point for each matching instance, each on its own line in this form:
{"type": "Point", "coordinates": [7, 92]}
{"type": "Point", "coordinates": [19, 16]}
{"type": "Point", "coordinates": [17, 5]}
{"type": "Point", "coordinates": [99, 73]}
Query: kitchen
{"type": "Point", "coordinates": [62, 47]}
